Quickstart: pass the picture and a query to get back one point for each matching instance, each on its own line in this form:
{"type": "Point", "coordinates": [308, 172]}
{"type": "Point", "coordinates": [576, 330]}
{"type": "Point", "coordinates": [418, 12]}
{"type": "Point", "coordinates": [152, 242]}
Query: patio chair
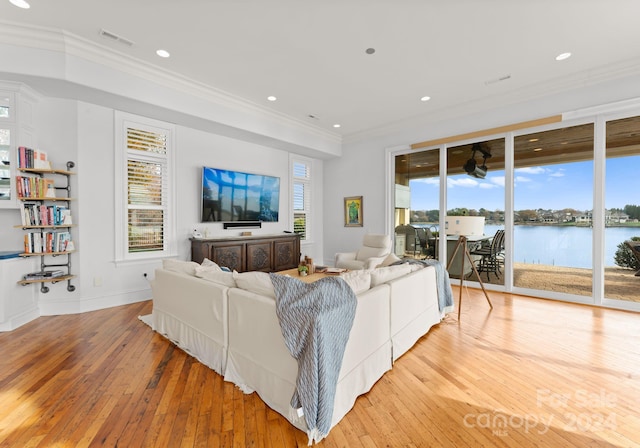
{"type": "Point", "coordinates": [635, 250]}
{"type": "Point", "coordinates": [412, 242]}
{"type": "Point", "coordinates": [492, 255]}
{"type": "Point", "coordinates": [425, 238]}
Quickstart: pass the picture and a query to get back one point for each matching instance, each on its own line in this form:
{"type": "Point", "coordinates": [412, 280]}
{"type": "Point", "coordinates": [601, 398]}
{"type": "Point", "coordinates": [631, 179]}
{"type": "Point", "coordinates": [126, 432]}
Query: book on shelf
{"type": "Point", "coordinates": [35, 187]}
{"type": "Point", "coordinates": [36, 214]}
{"type": "Point", "coordinates": [47, 242]}
{"type": "Point", "coordinates": [40, 161]}
{"type": "Point", "coordinates": [49, 189]}
{"type": "Point", "coordinates": [33, 159]}
{"type": "Point", "coordinates": [65, 216]}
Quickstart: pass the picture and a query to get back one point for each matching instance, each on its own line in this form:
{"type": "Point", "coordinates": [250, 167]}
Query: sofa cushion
{"type": "Point", "coordinates": [216, 276]}
{"type": "Point", "coordinates": [358, 281]}
{"type": "Point", "coordinates": [387, 273]}
{"type": "Point", "coordinates": [185, 267]}
{"type": "Point", "coordinates": [368, 252]}
{"type": "Point", "coordinates": [255, 281]}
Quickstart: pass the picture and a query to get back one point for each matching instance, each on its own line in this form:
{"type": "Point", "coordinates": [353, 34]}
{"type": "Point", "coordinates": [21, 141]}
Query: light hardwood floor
{"type": "Point", "coordinates": [529, 373]}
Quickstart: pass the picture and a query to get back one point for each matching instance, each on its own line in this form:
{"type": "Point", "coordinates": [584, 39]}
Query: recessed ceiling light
{"type": "Point", "coordinates": [425, 98]}
{"type": "Point", "coordinates": [537, 149]}
{"type": "Point", "coordinates": [336, 125]}
{"type": "Point", "coordinates": [563, 56]}
{"type": "Point", "coordinates": [163, 53]}
{"type": "Point", "coordinates": [20, 4]}
{"type": "Point", "coordinates": [533, 140]}
{"type": "Point", "coordinates": [271, 98]}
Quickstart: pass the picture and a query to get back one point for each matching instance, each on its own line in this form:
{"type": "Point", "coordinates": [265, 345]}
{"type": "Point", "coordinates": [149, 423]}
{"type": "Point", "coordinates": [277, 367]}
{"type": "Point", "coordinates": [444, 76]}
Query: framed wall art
{"type": "Point", "coordinates": [353, 211]}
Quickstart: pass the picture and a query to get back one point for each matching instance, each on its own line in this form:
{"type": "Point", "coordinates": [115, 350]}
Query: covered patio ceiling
{"type": "Point", "coordinates": [564, 145]}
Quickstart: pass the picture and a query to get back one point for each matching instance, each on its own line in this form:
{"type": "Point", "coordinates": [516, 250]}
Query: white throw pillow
{"type": "Point", "coordinates": [391, 258]}
{"type": "Point", "coordinates": [359, 281]}
{"type": "Point", "coordinates": [385, 274]}
{"type": "Point", "coordinates": [216, 276]}
{"type": "Point", "coordinates": [185, 267]}
{"type": "Point", "coordinates": [255, 281]}
{"type": "Point", "coordinates": [211, 265]}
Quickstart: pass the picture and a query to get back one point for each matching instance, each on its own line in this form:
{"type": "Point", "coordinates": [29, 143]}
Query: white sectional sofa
{"type": "Point", "coordinates": [229, 323]}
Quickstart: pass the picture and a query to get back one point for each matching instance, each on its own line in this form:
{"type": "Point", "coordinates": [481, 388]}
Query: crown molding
{"type": "Point", "coordinates": [69, 44]}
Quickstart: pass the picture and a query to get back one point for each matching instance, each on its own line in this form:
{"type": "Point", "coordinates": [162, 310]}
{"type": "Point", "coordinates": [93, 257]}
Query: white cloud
{"type": "Point", "coordinates": [428, 180]}
{"type": "Point", "coordinates": [522, 179]}
{"type": "Point", "coordinates": [465, 182]}
{"type": "Point", "coordinates": [531, 170]}
{"type": "Point", "coordinates": [497, 180]}
{"type": "Point", "coordinates": [559, 173]}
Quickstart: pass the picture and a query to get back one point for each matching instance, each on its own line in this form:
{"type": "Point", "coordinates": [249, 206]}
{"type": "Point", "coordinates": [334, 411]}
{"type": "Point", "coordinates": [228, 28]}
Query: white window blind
{"type": "Point", "coordinates": [146, 202]}
{"type": "Point", "coordinates": [146, 190]}
{"type": "Point", "coordinates": [302, 199]}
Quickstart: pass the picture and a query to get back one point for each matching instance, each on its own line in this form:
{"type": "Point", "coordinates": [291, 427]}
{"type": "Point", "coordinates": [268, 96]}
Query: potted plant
{"type": "Point", "coordinates": [303, 270]}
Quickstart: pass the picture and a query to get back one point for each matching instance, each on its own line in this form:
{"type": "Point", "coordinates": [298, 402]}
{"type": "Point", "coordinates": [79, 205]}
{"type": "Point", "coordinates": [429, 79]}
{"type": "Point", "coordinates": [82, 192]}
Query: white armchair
{"type": "Point", "coordinates": [375, 248]}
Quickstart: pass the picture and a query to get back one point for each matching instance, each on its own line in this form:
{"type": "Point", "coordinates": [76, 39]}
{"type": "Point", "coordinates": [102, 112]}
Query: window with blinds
{"type": "Point", "coordinates": [145, 204]}
{"type": "Point", "coordinates": [301, 198]}
{"type": "Point", "coordinates": [146, 190]}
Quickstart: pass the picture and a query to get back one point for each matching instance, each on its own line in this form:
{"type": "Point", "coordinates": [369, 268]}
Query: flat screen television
{"type": "Point", "coordinates": [235, 196]}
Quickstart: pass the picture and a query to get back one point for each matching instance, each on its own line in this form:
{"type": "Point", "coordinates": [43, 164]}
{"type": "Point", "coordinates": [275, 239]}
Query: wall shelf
{"type": "Point", "coordinates": [43, 241]}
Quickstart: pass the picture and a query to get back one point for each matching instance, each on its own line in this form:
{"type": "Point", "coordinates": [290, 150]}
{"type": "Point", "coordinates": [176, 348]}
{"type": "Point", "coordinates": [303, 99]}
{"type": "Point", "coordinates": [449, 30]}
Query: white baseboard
{"type": "Point", "coordinates": [86, 304]}
{"type": "Point", "coordinates": [19, 320]}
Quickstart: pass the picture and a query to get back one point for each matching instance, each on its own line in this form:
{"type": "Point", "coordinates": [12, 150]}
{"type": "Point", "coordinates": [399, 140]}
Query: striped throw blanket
{"type": "Point", "coordinates": [315, 319]}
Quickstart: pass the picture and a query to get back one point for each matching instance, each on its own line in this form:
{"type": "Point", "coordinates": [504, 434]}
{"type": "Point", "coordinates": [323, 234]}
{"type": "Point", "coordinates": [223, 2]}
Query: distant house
{"type": "Point", "coordinates": [583, 219]}
{"type": "Point", "coordinates": [615, 217]}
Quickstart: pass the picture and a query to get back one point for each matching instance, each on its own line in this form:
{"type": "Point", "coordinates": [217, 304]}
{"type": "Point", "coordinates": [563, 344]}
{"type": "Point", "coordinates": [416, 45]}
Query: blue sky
{"type": "Point", "coordinates": [549, 187]}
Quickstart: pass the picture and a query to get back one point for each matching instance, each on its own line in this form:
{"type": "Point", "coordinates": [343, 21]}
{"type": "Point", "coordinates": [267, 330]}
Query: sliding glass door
{"type": "Point", "coordinates": [475, 188]}
{"type": "Point", "coordinates": [622, 209]}
{"type": "Point", "coordinates": [553, 210]}
{"type": "Point", "coordinates": [574, 197]}
{"type": "Point", "coordinates": [417, 204]}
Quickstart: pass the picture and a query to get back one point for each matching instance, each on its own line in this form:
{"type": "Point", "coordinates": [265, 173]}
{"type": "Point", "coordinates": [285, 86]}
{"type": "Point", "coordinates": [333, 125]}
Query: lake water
{"type": "Point", "coordinates": [563, 246]}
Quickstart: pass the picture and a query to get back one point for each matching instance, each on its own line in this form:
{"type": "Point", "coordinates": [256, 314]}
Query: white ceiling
{"type": "Point", "coordinates": [311, 55]}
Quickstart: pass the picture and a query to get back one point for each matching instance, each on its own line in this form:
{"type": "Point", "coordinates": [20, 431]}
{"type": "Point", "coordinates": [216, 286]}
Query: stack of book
{"type": "Point", "coordinates": [43, 275]}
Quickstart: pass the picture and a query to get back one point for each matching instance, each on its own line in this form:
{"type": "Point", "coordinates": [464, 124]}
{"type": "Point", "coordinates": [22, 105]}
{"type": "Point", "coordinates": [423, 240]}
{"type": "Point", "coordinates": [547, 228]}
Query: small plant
{"type": "Point", "coordinates": [303, 270]}
{"type": "Point", "coordinates": [625, 258]}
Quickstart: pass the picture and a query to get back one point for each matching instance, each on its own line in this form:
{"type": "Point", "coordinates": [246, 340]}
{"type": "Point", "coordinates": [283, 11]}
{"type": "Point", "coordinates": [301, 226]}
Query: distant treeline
{"type": "Point", "coordinates": [633, 211]}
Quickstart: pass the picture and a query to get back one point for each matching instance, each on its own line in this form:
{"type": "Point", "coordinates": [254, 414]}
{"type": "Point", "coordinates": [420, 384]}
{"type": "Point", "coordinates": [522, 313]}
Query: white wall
{"type": "Point", "coordinates": [84, 133]}
{"type": "Point", "coordinates": [196, 149]}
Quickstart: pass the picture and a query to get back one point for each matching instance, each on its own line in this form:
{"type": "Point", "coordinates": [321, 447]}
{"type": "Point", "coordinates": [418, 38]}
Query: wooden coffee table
{"type": "Point", "coordinates": [309, 278]}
